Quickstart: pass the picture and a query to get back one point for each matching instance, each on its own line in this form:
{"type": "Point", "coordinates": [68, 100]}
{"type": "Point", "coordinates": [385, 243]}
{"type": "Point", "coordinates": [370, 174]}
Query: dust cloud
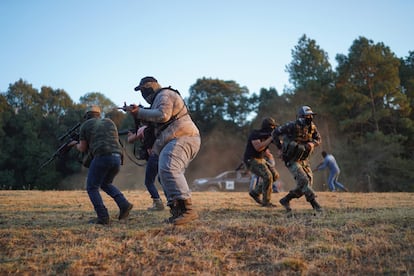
{"type": "Point", "coordinates": [217, 154]}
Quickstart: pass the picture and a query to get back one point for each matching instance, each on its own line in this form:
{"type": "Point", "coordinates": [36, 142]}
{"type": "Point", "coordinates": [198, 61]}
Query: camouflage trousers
{"type": "Point", "coordinates": [303, 176]}
{"type": "Point", "coordinates": [267, 173]}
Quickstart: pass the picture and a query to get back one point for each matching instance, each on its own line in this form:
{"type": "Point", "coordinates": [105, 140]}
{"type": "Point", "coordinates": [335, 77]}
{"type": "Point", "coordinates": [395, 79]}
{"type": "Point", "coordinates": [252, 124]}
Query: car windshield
{"type": "Point", "coordinates": [227, 175]}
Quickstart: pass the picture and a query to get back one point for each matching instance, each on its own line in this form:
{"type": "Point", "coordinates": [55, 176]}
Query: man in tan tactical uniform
{"type": "Point", "coordinates": [177, 144]}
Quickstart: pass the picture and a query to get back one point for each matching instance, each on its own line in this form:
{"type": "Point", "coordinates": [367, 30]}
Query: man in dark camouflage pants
{"type": "Point", "coordinates": [299, 139]}
{"type": "Point", "coordinates": [254, 158]}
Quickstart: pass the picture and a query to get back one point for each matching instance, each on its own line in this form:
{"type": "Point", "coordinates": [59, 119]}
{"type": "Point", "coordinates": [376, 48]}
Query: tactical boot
{"type": "Point", "coordinates": [315, 205]}
{"type": "Point", "coordinates": [268, 204]}
{"type": "Point", "coordinates": [285, 203]}
{"type": "Point", "coordinates": [157, 205]}
{"type": "Point", "coordinates": [255, 196]}
{"type": "Point", "coordinates": [189, 213]}
{"type": "Point", "coordinates": [124, 211]}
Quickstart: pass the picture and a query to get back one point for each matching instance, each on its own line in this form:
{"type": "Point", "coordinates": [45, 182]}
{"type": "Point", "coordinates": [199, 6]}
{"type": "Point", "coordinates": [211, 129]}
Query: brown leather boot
{"type": "Point", "coordinates": [124, 211]}
{"type": "Point", "coordinates": [189, 213]}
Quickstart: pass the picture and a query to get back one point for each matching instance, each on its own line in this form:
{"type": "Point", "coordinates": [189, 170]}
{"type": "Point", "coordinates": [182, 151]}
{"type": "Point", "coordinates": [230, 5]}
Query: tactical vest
{"type": "Point", "coordinates": [294, 149]}
{"type": "Point", "coordinates": [304, 134]}
{"type": "Point", "coordinates": [161, 126]}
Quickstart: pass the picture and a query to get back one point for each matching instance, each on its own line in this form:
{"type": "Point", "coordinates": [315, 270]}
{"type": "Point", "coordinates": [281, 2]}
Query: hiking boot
{"type": "Point", "coordinates": [124, 212]}
{"type": "Point", "coordinates": [255, 196]}
{"type": "Point", "coordinates": [157, 205]}
{"type": "Point", "coordinates": [189, 213]}
{"type": "Point", "coordinates": [103, 221]}
{"type": "Point", "coordinates": [285, 203]}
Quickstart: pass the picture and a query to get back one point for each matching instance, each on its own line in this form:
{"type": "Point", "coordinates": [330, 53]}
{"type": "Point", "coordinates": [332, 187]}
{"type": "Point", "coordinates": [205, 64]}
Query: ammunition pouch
{"type": "Point", "coordinates": [140, 152]}
{"type": "Point", "coordinates": [306, 153]}
{"type": "Point", "coordinates": [295, 152]}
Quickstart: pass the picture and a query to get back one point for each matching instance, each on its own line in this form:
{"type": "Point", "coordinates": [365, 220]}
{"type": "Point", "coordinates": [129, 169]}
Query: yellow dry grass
{"type": "Point", "coordinates": [46, 233]}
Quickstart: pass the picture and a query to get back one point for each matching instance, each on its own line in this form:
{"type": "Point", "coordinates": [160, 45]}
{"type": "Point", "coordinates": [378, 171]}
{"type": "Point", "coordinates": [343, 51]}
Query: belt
{"type": "Point", "coordinates": [109, 154]}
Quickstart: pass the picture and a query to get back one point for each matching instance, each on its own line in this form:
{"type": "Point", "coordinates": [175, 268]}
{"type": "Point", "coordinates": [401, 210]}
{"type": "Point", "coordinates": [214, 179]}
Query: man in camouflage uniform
{"type": "Point", "coordinates": [99, 137]}
{"type": "Point", "coordinates": [254, 158]}
{"type": "Point", "coordinates": [299, 139]}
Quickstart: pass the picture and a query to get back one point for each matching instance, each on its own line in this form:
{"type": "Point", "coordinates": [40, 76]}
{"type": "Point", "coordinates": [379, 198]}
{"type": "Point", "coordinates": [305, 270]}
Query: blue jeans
{"type": "Point", "coordinates": [102, 172]}
{"type": "Point", "coordinates": [334, 183]}
{"type": "Point", "coordinates": [173, 160]}
{"type": "Point", "coordinates": [151, 172]}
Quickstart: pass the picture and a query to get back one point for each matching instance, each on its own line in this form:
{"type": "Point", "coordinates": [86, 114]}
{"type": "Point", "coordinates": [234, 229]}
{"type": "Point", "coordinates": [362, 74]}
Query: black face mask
{"type": "Point", "coordinates": [147, 93]}
{"type": "Point", "coordinates": [305, 121]}
{"type": "Point", "coordinates": [308, 121]}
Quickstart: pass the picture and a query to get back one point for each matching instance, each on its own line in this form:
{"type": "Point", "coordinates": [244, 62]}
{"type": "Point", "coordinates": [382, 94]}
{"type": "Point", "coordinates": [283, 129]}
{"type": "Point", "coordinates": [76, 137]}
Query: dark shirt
{"type": "Point", "coordinates": [250, 152]}
{"type": "Point", "coordinates": [101, 136]}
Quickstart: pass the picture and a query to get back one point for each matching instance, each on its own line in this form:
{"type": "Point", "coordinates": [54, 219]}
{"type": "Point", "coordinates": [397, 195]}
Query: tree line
{"type": "Point", "coordinates": [364, 106]}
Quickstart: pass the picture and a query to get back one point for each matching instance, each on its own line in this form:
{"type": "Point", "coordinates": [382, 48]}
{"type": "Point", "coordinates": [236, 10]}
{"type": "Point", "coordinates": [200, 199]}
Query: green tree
{"type": "Point", "coordinates": [310, 64]}
{"type": "Point", "coordinates": [269, 103]}
{"type": "Point", "coordinates": [370, 98]}
{"type": "Point", "coordinates": [372, 112]}
{"type": "Point", "coordinates": [99, 99]}
{"type": "Point", "coordinates": [310, 73]}
{"type": "Point", "coordinates": [213, 102]}
{"type": "Point", "coordinates": [7, 180]}
{"type": "Point", "coordinates": [407, 79]}
{"type": "Point", "coordinates": [54, 102]}
{"type": "Point", "coordinates": [22, 95]}
{"type": "Point", "coordinates": [32, 122]}
{"type": "Point", "coordinates": [407, 86]}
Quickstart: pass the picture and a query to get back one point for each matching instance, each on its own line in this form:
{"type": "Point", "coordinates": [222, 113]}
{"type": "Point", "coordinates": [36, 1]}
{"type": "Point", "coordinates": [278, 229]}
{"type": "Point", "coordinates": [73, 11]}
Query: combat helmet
{"type": "Point", "coordinates": [304, 111]}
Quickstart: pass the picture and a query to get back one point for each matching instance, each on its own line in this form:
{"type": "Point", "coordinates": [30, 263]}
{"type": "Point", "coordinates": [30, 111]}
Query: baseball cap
{"type": "Point", "coordinates": [144, 81]}
{"type": "Point", "coordinates": [93, 108]}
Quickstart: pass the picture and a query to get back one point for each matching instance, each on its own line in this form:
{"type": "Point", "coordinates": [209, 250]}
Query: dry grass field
{"type": "Point", "coordinates": [46, 233]}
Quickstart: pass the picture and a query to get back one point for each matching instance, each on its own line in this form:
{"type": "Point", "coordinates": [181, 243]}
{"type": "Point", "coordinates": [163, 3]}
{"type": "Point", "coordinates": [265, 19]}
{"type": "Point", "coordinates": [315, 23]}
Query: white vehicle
{"type": "Point", "coordinates": [228, 181]}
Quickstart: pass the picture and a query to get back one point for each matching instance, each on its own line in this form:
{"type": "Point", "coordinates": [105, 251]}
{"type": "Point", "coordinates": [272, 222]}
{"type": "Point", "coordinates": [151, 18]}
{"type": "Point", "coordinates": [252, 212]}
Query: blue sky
{"type": "Point", "coordinates": [107, 46]}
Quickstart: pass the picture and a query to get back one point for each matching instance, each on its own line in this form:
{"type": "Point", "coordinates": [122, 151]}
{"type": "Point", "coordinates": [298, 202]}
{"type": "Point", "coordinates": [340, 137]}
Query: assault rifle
{"type": "Point", "coordinates": [71, 135]}
{"type": "Point", "coordinates": [125, 131]}
{"type": "Point", "coordinates": [140, 147]}
{"type": "Point", "coordinates": [138, 123]}
{"type": "Point", "coordinates": [125, 107]}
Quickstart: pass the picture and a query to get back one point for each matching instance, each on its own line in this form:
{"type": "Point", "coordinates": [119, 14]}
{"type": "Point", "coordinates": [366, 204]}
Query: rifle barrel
{"type": "Point", "coordinates": [69, 132]}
